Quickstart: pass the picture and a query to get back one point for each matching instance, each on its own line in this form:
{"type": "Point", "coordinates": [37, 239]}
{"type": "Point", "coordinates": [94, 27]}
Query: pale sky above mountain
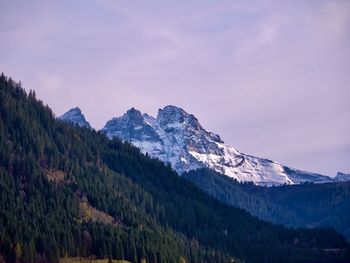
{"type": "Point", "coordinates": [271, 77]}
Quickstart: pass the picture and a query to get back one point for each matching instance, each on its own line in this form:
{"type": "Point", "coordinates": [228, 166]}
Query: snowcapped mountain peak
{"type": "Point", "coordinates": [176, 137]}
{"type": "Point", "coordinates": [75, 116]}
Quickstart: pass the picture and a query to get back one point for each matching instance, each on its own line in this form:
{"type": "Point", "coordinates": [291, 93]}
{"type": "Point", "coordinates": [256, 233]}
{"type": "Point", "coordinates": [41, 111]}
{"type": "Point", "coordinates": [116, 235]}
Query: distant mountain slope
{"type": "Point", "coordinates": [304, 205]}
{"type": "Point", "coordinates": [342, 177]}
{"type": "Point", "coordinates": [299, 177]}
{"type": "Point", "coordinates": [177, 138]}
{"type": "Point", "coordinates": [52, 174]}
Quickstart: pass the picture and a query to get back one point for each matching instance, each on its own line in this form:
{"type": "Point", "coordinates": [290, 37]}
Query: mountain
{"type": "Point", "coordinates": [176, 137]}
{"type": "Point", "coordinates": [341, 177]}
{"type": "Point", "coordinates": [75, 116]}
{"type": "Point", "coordinates": [72, 192]}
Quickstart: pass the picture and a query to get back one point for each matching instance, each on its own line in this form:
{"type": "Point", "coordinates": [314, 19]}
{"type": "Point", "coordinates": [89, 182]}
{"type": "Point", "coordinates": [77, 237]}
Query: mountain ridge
{"type": "Point", "coordinates": [177, 137]}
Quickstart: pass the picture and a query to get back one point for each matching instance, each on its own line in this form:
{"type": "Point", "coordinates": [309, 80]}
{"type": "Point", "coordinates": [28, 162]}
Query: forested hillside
{"type": "Point", "coordinates": [69, 191]}
{"type": "Point", "coordinates": [303, 205]}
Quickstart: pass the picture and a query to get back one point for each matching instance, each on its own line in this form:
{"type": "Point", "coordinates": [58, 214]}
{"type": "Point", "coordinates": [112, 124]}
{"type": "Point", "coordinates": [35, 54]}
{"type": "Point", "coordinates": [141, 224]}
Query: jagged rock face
{"type": "Point", "coordinates": [131, 127]}
{"type": "Point", "coordinates": [75, 116]}
{"type": "Point", "coordinates": [177, 137]}
{"type": "Point", "coordinates": [159, 137]}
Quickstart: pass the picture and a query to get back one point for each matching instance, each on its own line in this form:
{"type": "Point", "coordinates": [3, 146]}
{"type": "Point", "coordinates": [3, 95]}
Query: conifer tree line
{"type": "Point", "coordinates": [157, 215]}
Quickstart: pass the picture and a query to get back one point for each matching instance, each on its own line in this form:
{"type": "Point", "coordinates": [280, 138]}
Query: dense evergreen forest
{"type": "Point", "coordinates": [304, 205]}
{"type": "Point", "coordinates": [69, 191]}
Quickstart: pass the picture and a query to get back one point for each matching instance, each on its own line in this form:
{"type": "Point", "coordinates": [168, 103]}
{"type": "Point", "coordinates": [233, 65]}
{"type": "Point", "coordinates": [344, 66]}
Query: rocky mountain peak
{"type": "Point", "coordinates": [134, 114]}
{"type": "Point", "coordinates": [131, 126]}
{"type": "Point", "coordinates": [171, 115]}
{"type": "Point", "coordinates": [75, 116]}
{"type": "Point", "coordinates": [76, 109]}
{"type": "Point", "coordinates": [174, 117]}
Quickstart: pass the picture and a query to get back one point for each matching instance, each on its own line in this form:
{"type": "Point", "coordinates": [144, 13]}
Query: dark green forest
{"type": "Point", "coordinates": [48, 168]}
{"type": "Point", "coordinates": [303, 205]}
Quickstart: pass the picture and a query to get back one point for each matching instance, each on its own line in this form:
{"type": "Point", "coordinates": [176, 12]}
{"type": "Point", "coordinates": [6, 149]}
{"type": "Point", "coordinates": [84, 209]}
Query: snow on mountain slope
{"type": "Point", "coordinates": [177, 137]}
{"type": "Point", "coordinates": [75, 116]}
{"type": "Point", "coordinates": [341, 177]}
{"type": "Point", "coordinates": [298, 176]}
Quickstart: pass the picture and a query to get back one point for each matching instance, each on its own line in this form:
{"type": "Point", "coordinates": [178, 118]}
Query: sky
{"type": "Point", "coordinates": [272, 78]}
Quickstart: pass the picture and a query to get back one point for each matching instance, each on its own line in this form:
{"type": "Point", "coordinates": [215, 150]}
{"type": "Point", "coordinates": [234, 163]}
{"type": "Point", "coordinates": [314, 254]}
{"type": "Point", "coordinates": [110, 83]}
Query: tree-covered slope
{"type": "Point", "coordinates": [40, 213]}
{"type": "Point", "coordinates": [305, 205]}
{"type": "Point", "coordinates": [138, 208]}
